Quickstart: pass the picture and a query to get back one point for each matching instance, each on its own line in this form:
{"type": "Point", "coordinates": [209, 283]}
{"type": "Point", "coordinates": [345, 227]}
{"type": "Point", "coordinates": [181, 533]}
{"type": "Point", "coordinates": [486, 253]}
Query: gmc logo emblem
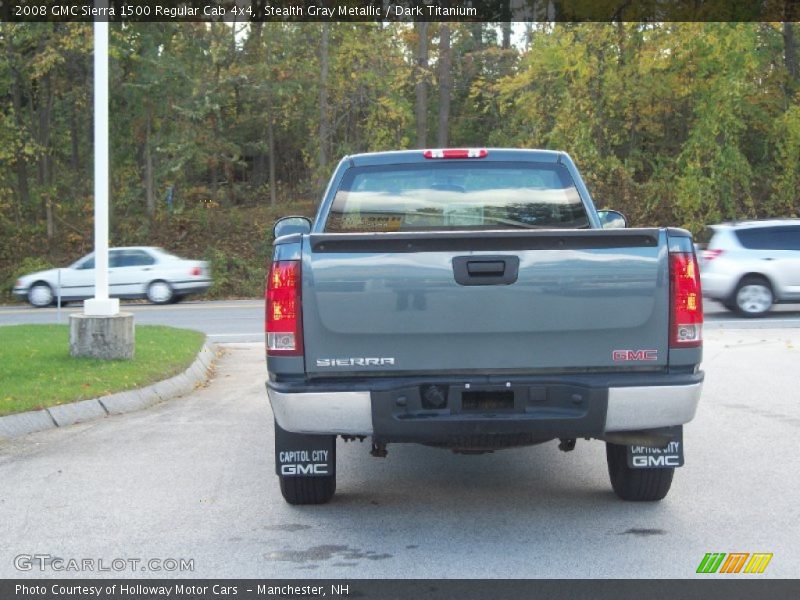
{"type": "Point", "coordinates": [300, 469]}
{"type": "Point", "coordinates": [626, 355]}
{"type": "Point", "coordinates": [656, 461]}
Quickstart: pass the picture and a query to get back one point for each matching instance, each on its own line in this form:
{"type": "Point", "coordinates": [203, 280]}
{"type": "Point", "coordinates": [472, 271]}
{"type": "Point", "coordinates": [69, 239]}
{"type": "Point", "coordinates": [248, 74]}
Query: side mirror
{"type": "Point", "coordinates": [289, 225]}
{"type": "Point", "coordinates": [612, 219]}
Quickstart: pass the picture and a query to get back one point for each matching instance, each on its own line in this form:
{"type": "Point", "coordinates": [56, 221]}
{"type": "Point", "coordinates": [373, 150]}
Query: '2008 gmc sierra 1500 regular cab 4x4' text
{"type": "Point", "coordinates": [476, 300]}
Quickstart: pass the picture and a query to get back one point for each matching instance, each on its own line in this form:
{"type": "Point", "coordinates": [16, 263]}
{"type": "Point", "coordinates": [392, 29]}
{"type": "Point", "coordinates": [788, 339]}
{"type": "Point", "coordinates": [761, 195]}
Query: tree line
{"type": "Point", "coordinates": [673, 123]}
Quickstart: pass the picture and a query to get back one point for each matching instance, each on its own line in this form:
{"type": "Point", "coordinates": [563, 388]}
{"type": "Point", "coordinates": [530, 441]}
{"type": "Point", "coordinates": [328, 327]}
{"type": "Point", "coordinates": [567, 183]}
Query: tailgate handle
{"type": "Point", "coordinates": [486, 267]}
{"type": "Point", "coordinates": [486, 270]}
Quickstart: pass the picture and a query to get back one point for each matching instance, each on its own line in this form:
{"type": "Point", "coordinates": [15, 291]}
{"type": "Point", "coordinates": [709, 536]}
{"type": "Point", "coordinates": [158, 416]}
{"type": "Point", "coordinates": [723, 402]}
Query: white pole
{"type": "Point", "coordinates": [101, 305]}
{"type": "Point", "coordinates": [101, 160]}
{"type": "Point", "coordinates": [59, 297]}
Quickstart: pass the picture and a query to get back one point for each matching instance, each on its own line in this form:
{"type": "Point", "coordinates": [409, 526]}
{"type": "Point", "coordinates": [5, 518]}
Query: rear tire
{"type": "Point", "coordinates": [636, 485]}
{"type": "Point", "coordinates": [753, 297]}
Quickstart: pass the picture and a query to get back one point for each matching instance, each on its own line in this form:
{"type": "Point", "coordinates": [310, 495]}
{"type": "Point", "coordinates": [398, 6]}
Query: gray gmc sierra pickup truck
{"type": "Point", "coordinates": [476, 300]}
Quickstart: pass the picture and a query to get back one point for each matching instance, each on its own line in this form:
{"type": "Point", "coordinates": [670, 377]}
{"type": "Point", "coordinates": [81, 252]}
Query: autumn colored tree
{"type": "Point", "coordinates": [672, 123]}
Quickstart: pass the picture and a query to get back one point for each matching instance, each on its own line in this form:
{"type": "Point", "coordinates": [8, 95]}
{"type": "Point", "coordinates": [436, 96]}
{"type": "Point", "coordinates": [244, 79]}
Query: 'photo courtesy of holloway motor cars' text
{"type": "Point", "coordinates": [399, 299]}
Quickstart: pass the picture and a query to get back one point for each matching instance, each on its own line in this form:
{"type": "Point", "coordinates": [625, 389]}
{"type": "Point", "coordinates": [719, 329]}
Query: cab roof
{"type": "Point", "coordinates": [417, 156]}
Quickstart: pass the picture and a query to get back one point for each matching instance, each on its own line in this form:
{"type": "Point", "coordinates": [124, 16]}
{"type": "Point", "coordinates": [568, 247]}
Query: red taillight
{"type": "Point", "coordinates": [456, 153]}
{"type": "Point", "coordinates": [709, 255]}
{"type": "Point", "coordinates": [284, 323]}
{"type": "Point", "coordinates": [195, 271]}
{"type": "Point", "coordinates": [686, 301]}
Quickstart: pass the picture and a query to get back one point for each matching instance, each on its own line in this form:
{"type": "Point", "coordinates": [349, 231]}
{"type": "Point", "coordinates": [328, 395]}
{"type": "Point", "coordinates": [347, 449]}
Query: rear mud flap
{"type": "Point", "coordinates": [669, 456]}
{"type": "Point", "coordinates": [302, 455]}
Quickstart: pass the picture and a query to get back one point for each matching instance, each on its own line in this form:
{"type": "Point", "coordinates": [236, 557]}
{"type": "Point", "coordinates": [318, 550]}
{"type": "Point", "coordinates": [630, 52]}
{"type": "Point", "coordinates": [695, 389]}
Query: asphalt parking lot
{"type": "Point", "coordinates": [193, 479]}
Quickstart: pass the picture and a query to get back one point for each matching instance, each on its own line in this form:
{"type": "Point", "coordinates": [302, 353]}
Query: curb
{"type": "Point", "coordinates": [62, 415]}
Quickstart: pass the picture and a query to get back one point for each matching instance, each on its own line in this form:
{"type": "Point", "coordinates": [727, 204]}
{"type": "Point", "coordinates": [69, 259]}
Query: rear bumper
{"type": "Point", "coordinates": [545, 408]}
{"type": "Point", "coordinates": [321, 412]}
{"type": "Point", "coordinates": [633, 408]}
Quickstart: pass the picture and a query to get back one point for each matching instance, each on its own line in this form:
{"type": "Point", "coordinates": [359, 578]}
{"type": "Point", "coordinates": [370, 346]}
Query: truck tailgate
{"type": "Point", "coordinates": [497, 302]}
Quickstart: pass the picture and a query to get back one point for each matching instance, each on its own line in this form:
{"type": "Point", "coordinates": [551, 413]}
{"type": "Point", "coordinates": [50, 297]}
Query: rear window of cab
{"type": "Point", "coordinates": [456, 196]}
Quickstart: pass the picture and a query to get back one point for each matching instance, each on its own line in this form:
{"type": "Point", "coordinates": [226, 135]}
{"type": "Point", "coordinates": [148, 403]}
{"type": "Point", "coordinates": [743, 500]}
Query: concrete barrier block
{"type": "Point", "coordinates": [24, 423]}
{"type": "Point", "coordinates": [150, 396]}
{"type": "Point", "coordinates": [165, 389]}
{"type": "Point", "coordinates": [117, 404]}
{"type": "Point", "coordinates": [183, 384]}
{"type": "Point", "coordinates": [198, 371]}
{"type": "Point", "coordinates": [209, 355]}
{"type": "Point", "coordinates": [76, 412]}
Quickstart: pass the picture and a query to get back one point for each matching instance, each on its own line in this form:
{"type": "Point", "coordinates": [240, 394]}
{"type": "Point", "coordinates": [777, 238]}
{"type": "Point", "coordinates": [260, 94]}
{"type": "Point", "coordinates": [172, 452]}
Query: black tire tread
{"type": "Point", "coordinates": [636, 485]}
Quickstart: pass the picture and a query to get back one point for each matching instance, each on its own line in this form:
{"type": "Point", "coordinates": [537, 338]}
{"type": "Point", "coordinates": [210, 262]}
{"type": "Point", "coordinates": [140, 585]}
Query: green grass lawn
{"type": "Point", "coordinates": [36, 369]}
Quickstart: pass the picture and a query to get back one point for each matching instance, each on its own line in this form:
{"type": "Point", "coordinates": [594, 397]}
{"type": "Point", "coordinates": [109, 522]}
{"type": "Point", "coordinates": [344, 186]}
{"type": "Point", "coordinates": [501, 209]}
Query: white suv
{"type": "Point", "coordinates": [750, 265]}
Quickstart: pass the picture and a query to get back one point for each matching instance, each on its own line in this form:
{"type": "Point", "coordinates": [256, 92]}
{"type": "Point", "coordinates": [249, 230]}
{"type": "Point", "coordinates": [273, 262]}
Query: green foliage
{"type": "Point", "coordinates": [233, 276]}
{"type": "Point", "coordinates": [786, 186]}
{"type": "Point", "coordinates": [28, 264]}
{"type": "Point", "coordinates": [672, 123]}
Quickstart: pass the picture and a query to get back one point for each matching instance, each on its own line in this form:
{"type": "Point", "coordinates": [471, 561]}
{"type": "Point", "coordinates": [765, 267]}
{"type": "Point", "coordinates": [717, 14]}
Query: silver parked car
{"type": "Point", "coordinates": [751, 265]}
{"type": "Point", "coordinates": [133, 272]}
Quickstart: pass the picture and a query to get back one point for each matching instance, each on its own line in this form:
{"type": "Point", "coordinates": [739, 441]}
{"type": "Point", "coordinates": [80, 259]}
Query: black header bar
{"type": "Point", "coordinates": [401, 10]}
{"type": "Point", "coordinates": [701, 588]}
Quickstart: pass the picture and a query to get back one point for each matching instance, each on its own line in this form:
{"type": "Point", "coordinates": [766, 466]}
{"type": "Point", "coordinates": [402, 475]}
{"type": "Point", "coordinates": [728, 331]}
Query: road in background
{"type": "Point", "coordinates": [243, 320]}
{"type": "Point", "coordinates": [222, 321]}
{"type": "Point", "coordinates": [194, 478]}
